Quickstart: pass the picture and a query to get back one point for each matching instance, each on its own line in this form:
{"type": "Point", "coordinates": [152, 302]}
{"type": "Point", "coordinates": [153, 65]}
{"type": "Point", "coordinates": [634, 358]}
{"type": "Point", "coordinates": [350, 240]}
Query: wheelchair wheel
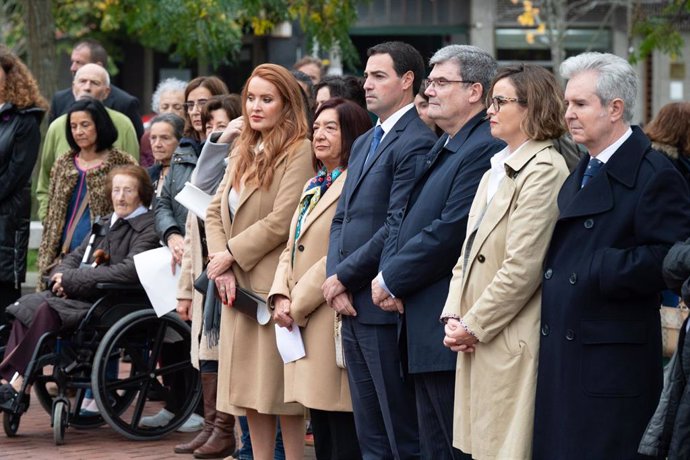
{"type": "Point", "coordinates": [46, 399]}
{"type": "Point", "coordinates": [142, 336]}
{"type": "Point", "coordinates": [60, 416]}
{"type": "Point", "coordinates": [10, 423]}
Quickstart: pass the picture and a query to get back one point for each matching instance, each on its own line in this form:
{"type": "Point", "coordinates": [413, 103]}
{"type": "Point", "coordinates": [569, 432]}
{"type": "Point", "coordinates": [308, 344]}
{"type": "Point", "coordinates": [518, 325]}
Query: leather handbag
{"type": "Point", "coordinates": [672, 319]}
{"type": "Point", "coordinates": [338, 337]}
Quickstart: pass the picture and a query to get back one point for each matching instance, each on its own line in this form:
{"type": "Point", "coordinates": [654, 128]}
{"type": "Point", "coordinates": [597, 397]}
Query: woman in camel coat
{"type": "Point", "coordinates": [315, 381]}
{"type": "Point", "coordinates": [494, 302]}
{"type": "Point", "coordinates": [247, 226]}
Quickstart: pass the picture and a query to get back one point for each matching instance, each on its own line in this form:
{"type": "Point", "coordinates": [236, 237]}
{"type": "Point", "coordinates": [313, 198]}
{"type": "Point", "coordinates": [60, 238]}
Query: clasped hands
{"type": "Point", "coordinates": [457, 338]}
{"type": "Point", "coordinates": [337, 296]}
{"type": "Point", "coordinates": [219, 270]}
{"type": "Point", "coordinates": [56, 285]}
{"type": "Point", "coordinates": [384, 300]}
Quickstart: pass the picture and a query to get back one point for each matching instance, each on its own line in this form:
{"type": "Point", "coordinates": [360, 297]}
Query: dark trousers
{"type": "Point", "coordinates": [335, 437]}
{"type": "Point", "coordinates": [8, 295]}
{"type": "Point", "coordinates": [435, 393]}
{"type": "Point", "coordinates": [383, 402]}
{"type": "Point", "coordinates": [23, 340]}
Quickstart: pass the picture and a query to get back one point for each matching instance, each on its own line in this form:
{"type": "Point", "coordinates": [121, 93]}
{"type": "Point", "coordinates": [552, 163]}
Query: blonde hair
{"type": "Point", "coordinates": [281, 140]}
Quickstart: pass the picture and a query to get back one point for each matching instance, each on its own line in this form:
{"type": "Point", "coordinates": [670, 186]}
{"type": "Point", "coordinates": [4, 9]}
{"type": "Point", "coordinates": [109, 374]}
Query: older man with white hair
{"type": "Point", "coordinates": [90, 80]}
{"type": "Point", "coordinates": [600, 368]}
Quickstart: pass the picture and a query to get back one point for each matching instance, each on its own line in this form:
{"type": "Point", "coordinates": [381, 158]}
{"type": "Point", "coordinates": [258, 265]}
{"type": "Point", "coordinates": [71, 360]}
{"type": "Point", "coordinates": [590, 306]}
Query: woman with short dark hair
{"type": "Point", "coordinates": [316, 381]}
{"type": "Point", "coordinates": [76, 195]}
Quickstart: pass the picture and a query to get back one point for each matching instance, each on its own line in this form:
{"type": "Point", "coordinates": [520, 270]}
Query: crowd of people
{"type": "Point", "coordinates": [475, 274]}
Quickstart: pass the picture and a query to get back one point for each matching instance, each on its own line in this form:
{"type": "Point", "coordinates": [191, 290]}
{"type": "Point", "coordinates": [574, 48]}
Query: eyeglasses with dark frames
{"type": "Point", "coordinates": [499, 101]}
{"type": "Point", "coordinates": [442, 82]}
{"type": "Point", "coordinates": [200, 103]}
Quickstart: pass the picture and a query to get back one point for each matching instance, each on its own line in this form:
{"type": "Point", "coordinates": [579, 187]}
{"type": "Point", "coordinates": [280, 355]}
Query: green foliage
{"type": "Point", "coordinates": [662, 32]}
{"type": "Point", "coordinates": [12, 26]}
{"type": "Point", "coordinates": [209, 29]}
{"type": "Point", "coordinates": [327, 22]}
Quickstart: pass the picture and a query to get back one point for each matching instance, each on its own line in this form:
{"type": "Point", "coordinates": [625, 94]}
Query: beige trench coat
{"type": "Point", "coordinates": [192, 266]}
{"type": "Point", "coordinates": [498, 295]}
{"type": "Point", "coordinates": [250, 370]}
{"type": "Point", "coordinates": [314, 381]}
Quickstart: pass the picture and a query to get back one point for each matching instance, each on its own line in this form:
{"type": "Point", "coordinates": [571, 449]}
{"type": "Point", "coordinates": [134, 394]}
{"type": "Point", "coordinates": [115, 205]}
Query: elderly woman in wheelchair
{"type": "Point", "coordinates": [105, 256]}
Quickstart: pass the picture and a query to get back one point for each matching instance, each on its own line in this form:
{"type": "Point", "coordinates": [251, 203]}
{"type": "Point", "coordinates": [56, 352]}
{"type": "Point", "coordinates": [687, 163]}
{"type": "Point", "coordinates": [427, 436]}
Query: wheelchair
{"type": "Point", "coordinates": [116, 353]}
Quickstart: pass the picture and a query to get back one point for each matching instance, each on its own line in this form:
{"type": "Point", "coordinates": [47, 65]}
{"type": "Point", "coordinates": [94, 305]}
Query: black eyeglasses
{"type": "Point", "coordinates": [442, 82]}
{"type": "Point", "coordinates": [189, 105]}
{"type": "Point", "coordinates": [499, 101]}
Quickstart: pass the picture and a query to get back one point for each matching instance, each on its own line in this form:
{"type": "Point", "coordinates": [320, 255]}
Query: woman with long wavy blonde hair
{"type": "Point", "coordinates": [247, 226]}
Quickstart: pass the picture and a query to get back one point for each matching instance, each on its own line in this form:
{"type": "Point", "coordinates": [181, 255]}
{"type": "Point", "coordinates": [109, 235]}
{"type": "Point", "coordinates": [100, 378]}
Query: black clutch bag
{"type": "Point", "coordinates": [246, 302]}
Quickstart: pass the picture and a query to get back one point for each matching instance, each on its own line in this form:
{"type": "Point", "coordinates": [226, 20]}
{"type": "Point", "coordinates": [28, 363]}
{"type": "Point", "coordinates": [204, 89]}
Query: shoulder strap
{"type": "Point", "coordinates": [75, 222]}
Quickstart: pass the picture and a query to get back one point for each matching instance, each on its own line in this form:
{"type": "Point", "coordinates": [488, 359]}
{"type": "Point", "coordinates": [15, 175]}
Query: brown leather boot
{"type": "Point", "coordinates": [208, 390]}
{"type": "Point", "coordinates": [222, 441]}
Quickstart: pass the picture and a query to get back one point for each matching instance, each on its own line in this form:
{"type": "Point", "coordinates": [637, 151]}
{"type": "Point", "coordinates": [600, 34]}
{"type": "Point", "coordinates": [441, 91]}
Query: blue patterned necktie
{"type": "Point", "coordinates": [378, 134]}
{"type": "Point", "coordinates": [592, 169]}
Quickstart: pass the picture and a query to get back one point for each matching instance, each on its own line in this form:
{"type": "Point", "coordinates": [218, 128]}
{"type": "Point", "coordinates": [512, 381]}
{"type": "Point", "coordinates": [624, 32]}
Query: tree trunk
{"type": "Point", "coordinates": [40, 44]}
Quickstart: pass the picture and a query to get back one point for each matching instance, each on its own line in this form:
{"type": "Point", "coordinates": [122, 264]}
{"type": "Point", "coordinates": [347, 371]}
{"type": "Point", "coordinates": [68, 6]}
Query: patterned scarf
{"type": "Point", "coordinates": [315, 190]}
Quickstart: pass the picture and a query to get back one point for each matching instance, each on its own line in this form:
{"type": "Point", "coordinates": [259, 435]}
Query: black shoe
{"type": "Point", "coordinates": [7, 393]}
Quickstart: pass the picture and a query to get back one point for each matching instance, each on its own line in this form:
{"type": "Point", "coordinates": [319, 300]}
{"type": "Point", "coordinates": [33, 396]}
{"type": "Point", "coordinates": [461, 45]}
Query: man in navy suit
{"type": "Point", "coordinates": [420, 253]}
{"type": "Point", "coordinates": [91, 52]}
{"type": "Point", "coordinates": [600, 366]}
{"type": "Point", "coordinates": [384, 164]}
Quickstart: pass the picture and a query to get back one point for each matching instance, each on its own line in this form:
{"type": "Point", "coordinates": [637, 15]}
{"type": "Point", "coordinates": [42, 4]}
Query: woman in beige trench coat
{"type": "Point", "coordinates": [247, 227]}
{"type": "Point", "coordinates": [493, 309]}
{"type": "Point", "coordinates": [316, 381]}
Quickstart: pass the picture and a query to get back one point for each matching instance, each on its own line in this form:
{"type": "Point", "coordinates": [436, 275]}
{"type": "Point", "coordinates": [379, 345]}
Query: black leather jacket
{"type": "Point", "coordinates": [171, 215]}
{"type": "Point", "coordinates": [20, 138]}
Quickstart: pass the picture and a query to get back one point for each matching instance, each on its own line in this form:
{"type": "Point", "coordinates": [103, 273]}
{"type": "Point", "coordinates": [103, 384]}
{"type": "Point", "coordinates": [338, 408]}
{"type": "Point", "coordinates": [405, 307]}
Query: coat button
{"type": "Point", "coordinates": [300, 247]}
{"type": "Point", "coordinates": [570, 334]}
{"type": "Point", "coordinates": [548, 274]}
{"type": "Point", "coordinates": [573, 278]}
{"type": "Point", "coordinates": [347, 219]}
{"type": "Point", "coordinates": [481, 258]}
{"type": "Point", "coordinates": [342, 253]}
{"type": "Point", "coordinates": [589, 223]}
{"type": "Point", "coordinates": [545, 329]}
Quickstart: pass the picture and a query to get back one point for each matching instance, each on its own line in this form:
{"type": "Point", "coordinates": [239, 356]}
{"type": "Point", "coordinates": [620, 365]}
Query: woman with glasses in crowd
{"type": "Point", "coordinates": [493, 308]}
{"type": "Point", "coordinates": [247, 226]}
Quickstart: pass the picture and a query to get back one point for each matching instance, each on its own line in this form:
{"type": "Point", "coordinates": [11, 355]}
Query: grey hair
{"type": "Point", "coordinates": [173, 120]}
{"type": "Point", "coordinates": [616, 78]}
{"type": "Point", "coordinates": [169, 84]}
{"type": "Point", "coordinates": [474, 63]}
{"type": "Point", "coordinates": [106, 75]}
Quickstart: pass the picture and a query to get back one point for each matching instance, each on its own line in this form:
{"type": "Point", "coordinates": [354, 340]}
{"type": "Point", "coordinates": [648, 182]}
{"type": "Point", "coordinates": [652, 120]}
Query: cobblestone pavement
{"type": "Point", "coordinates": [34, 440]}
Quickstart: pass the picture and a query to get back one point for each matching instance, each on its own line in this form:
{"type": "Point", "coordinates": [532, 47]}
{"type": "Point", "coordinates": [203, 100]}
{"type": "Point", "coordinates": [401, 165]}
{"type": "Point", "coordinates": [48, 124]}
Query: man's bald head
{"type": "Point", "coordinates": [91, 80]}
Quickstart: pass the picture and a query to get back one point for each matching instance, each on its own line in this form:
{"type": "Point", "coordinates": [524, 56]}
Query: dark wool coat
{"type": "Point", "coordinates": [20, 137]}
{"type": "Point", "coordinates": [121, 241]}
{"type": "Point", "coordinates": [63, 180]}
{"type": "Point", "coordinates": [600, 365]}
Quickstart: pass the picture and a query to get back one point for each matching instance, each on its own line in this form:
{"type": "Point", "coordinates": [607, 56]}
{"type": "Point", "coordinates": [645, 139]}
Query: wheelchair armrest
{"type": "Point", "coordinates": [119, 287]}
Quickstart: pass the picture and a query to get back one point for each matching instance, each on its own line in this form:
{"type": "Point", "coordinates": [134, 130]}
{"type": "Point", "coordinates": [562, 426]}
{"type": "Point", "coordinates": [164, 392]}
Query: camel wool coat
{"type": "Point", "coordinates": [313, 381]}
{"type": "Point", "coordinates": [250, 370]}
{"type": "Point", "coordinates": [498, 296]}
{"type": "Point", "coordinates": [192, 266]}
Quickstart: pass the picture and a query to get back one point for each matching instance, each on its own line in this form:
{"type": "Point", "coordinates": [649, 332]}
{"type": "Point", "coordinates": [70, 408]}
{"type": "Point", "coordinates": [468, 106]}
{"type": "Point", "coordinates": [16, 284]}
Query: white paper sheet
{"type": "Point", "coordinates": [194, 199]}
{"type": "Point", "coordinates": [290, 345]}
{"type": "Point", "coordinates": [153, 268]}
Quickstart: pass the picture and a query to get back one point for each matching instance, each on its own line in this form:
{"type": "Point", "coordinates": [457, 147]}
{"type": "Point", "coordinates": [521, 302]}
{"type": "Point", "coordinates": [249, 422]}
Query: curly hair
{"type": "Point", "coordinates": [282, 139]}
{"type": "Point", "coordinates": [21, 88]}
